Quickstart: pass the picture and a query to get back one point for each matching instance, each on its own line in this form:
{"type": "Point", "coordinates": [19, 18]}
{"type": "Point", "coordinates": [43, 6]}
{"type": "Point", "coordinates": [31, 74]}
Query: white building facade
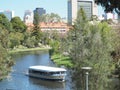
{"type": "Point", "coordinates": [28, 17]}
{"type": "Point", "coordinates": [89, 7]}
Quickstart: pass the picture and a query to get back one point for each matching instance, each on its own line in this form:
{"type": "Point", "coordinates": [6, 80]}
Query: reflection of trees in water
{"type": "Point", "coordinates": [48, 84]}
{"type": "Point", "coordinates": [116, 84]}
{"type": "Point", "coordinates": [21, 54]}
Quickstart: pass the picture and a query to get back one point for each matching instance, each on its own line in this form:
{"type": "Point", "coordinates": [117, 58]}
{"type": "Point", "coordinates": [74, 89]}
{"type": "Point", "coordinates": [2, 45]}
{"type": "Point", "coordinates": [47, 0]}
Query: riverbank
{"type": "Point", "coordinates": [7, 68]}
{"type": "Point", "coordinates": [62, 60]}
{"type": "Point", "coordinates": [4, 71]}
{"type": "Point", "coordinates": [58, 59]}
{"type": "Point", "coordinates": [27, 49]}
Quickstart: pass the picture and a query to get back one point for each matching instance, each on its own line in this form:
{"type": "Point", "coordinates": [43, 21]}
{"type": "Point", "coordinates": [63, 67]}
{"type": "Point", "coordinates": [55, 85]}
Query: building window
{"type": "Point", "coordinates": [86, 6]}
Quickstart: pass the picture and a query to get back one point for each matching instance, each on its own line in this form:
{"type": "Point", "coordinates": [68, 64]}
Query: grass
{"type": "Point", "coordinates": [62, 60]}
{"type": "Point", "coordinates": [27, 49]}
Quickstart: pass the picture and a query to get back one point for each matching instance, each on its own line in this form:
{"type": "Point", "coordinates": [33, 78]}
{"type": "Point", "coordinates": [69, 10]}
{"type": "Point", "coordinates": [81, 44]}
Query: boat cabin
{"type": "Point", "coordinates": [48, 73]}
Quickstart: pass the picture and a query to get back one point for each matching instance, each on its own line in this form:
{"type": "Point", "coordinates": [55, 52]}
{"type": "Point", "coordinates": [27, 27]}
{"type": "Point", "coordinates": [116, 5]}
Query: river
{"type": "Point", "coordinates": [18, 80]}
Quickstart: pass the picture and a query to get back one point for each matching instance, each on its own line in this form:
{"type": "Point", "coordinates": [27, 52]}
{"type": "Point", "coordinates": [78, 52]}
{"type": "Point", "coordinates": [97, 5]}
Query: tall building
{"type": "Point", "coordinates": [40, 11]}
{"type": "Point", "coordinates": [9, 14]}
{"type": "Point", "coordinates": [89, 7]}
{"type": "Point", "coordinates": [28, 17]}
{"type": "Point", "coordinates": [72, 10]}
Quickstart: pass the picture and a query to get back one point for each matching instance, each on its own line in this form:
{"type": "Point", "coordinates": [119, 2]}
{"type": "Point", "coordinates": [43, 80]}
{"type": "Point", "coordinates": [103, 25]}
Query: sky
{"type": "Point", "coordinates": [19, 6]}
{"type": "Point", "coordinates": [51, 6]}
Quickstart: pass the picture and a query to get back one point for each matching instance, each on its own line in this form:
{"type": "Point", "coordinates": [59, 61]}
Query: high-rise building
{"type": "Point", "coordinates": [89, 7]}
{"type": "Point", "coordinates": [28, 17]}
{"type": "Point", "coordinates": [9, 14]}
{"type": "Point", "coordinates": [40, 11]}
{"type": "Point", "coordinates": [72, 10]}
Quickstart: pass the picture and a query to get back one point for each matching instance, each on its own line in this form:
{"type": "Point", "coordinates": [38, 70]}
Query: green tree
{"type": "Point", "coordinates": [42, 18]}
{"type": "Point", "coordinates": [116, 52]}
{"type": "Point", "coordinates": [36, 32]}
{"type": "Point", "coordinates": [5, 60]}
{"type": "Point", "coordinates": [54, 17]}
{"type": "Point", "coordinates": [5, 23]}
{"type": "Point", "coordinates": [50, 18]}
{"type": "Point", "coordinates": [109, 5]}
{"type": "Point", "coordinates": [91, 45]}
{"type": "Point", "coordinates": [18, 25]}
{"type": "Point", "coordinates": [45, 38]}
{"type": "Point", "coordinates": [30, 42]}
{"type": "Point", "coordinates": [36, 19]}
{"type": "Point", "coordinates": [4, 38]}
{"type": "Point", "coordinates": [16, 39]}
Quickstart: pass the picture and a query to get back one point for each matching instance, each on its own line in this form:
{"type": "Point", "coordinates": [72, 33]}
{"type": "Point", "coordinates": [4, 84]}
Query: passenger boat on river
{"type": "Point", "coordinates": [48, 73]}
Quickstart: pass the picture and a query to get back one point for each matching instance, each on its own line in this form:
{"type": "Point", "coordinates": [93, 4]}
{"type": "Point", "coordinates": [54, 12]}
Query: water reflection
{"type": "Point", "coordinates": [47, 84]}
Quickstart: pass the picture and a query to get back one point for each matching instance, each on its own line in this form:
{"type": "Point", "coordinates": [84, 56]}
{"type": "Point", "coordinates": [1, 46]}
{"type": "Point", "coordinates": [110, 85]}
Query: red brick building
{"type": "Point", "coordinates": [60, 27]}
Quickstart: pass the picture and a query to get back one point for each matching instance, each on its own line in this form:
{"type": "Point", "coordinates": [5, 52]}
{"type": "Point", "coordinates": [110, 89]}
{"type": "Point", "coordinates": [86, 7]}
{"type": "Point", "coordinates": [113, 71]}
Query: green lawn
{"type": "Point", "coordinates": [62, 60]}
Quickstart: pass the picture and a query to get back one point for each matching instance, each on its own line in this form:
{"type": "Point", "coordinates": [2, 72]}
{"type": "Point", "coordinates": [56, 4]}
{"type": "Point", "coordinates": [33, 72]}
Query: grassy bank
{"type": "Point", "coordinates": [27, 49]}
{"type": "Point", "coordinates": [58, 59]}
{"type": "Point", "coordinates": [62, 60]}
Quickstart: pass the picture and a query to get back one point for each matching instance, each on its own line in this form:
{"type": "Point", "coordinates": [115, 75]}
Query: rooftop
{"type": "Point", "coordinates": [47, 68]}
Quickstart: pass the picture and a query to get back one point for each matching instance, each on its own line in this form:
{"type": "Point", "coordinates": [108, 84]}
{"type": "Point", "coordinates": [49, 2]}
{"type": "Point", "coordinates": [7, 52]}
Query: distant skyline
{"type": "Point", "coordinates": [19, 6]}
{"type": "Point", "coordinates": [51, 6]}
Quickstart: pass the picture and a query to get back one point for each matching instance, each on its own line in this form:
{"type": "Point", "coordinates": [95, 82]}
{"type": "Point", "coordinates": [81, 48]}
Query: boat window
{"type": "Point", "coordinates": [33, 71]}
{"type": "Point", "coordinates": [62, 72]}
{"type": "Point", "coordinates": [51, 73]}
{"type": "Point", "coordinates": [45, 73]}
{"type": "Point", "coordinates": [39, 72]}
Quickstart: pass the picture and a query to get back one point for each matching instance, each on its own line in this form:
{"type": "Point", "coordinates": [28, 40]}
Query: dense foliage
{"type": "Point", "coordinates": [18, 25]}
{"type": "Point", "coordinates": [4, 23]}
{"type": "Point", "coordinates": [116, 53]}
{"type": "Point", "coordinates": [91, 45]}
{"type": "Point", "coordinates": [47, 18]}
{"type": "Point", "coordinates": [5, 60]}
{"type": "Point", "coordinates": [110, 5]}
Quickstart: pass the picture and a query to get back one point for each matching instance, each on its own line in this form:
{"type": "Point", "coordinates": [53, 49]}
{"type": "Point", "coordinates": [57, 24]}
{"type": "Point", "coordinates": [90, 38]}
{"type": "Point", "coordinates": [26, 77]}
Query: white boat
{"type": "Point", "coordinates": [47, 73]}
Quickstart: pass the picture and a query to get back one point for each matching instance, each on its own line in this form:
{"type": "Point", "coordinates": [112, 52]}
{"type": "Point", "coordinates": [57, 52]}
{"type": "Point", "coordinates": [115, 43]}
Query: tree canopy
{"type": "Point", "coordinates": [91, 45]}
{"type": "Point", "coordinates": [18, 25]}
{"type": "Point", "coordinates": [5, 60]}
{"type": "Point", "coordinates": [4, 23]}
{"type": "Point", "coordinates": [52, 17]}
{"type": "Point", "coordinates": [36, 19]}
{"type": "Point", "coordinates": [109, 5]}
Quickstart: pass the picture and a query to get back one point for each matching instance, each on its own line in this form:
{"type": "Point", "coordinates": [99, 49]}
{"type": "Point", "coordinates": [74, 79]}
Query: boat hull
{"type": "Point", "coordinates": [46, 77]}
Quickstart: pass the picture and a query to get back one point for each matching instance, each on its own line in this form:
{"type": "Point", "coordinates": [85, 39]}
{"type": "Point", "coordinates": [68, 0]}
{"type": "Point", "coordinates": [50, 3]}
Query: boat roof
{"type": "Point", "coordinates": [47, 68]}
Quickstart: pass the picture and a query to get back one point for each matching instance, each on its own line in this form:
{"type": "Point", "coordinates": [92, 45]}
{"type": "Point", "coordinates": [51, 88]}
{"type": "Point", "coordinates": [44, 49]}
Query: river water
{"type": "Point", "coordinates": [18, 80]}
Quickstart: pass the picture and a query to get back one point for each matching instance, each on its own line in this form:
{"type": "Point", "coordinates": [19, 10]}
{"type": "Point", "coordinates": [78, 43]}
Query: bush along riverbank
{"type": "Point", "coordinates": [25, 49]}
{"type": "Point", "coordinates": [5, 66]}
{"type": "Point", "coordinates": [28, 49]}
{"type": "Point", "coordinates": [62, 60]}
